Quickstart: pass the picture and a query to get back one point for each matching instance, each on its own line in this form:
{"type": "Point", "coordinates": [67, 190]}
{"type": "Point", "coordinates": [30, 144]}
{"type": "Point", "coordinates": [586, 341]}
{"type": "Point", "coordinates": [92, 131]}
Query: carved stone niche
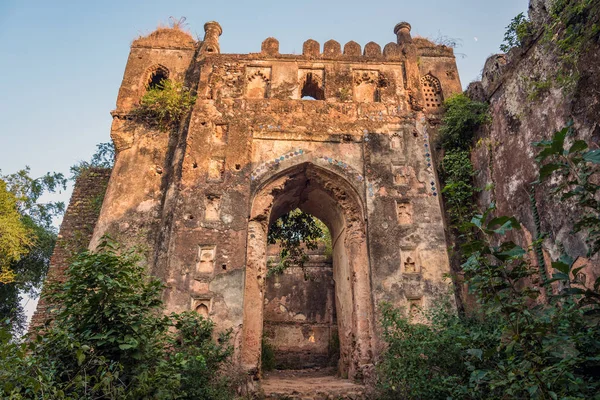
{"type": "Point", "coordinates": [404, 212]}
{"type": "Point", "coordinates": [206, 260]}
{"type": "Point", "coordinates": [401, 175]}
{"type": "Point", "coordinates": [412, 286]}
{"type": "Point", "coordinates": [410, 261]}
{"type": "Point", "coordinates": [366, 86]}
{"type": "Point", "coordinates": [212, 208]}
{"type": "Point", "coordinates": [258, 82]}
{"type": "Point", "coordinates": [398, 147]}
{"type": "Point", "coordinates": [220, 132]}
{"type": "Point", "coordinates": [202, 305]}
{"type": "Point", "coordinates": [216, 169]}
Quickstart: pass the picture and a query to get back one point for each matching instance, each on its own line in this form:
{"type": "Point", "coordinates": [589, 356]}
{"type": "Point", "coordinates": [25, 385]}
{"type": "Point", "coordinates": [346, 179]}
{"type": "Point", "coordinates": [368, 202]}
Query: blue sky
{"type": "Point", "coordinates": [62, 61]}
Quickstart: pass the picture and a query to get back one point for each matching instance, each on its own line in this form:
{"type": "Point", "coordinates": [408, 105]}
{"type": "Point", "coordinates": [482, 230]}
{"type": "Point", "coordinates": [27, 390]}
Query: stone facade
{"type": "Point", "coordinates": [300, 322]}
{"type": "Point", "coordinates": [357, 156]}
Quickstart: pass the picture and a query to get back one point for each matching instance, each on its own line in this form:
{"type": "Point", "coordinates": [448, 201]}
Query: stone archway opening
{"type": "Point", "coordinates": [333, 200]}
{"type": "Point", "coordinates": [299, 317]}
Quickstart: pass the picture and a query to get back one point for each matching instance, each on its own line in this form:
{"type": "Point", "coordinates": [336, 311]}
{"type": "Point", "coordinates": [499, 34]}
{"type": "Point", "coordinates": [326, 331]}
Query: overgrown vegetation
{"type": "Point", "coordinates": [110, 339]}
{"type": "Point", "coordinates": [27, 238]}
{"type": "Point", "coordinates": [163, 106]}
{"type": "Point", "coordinates": [530, 337]}
{"type": "Point", "coordinates": [576, 167]}
{"type": "Point", "coordinates": [572, 27]}
{"type": "Point", "coordinates": [516, 33]}
{"type": "Point", "coordinates": [104, 157]}
{"type": "Point", "coordinates": [295, 233]}
{"type": "Point", "coordinates": [461, 120]}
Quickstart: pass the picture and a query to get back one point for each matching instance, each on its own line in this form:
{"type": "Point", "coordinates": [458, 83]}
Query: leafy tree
{"type": "Point", "coordinates": [432, 357]}
{"type": "Point", "coordinates": [22, 194]}
{"type": "Point", "coordinates": [294, 232]}
{"type": "Point", "coordinates": [456, 171]}
{"type": "Point", "coordinates": [576, 167]}
{"type": "Point", "coordinates": [15, 238]}
{"type": "Point", "coordinates": [110, 339]}
{"type": "Point", "coordinates": [516, 32]}
{"type": "Point", "coordinates": [104, 157]}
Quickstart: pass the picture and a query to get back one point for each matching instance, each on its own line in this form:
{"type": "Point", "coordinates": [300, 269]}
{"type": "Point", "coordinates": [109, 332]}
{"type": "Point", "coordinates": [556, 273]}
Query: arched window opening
{"type": "Point", "coordinates": [432, 91]}
{"type": "Point", "coordinates": [158, 75]}
{"type": "Point", "coordinates": [312, 90]}
{"type": "Point", "coordinates": [299, 288]}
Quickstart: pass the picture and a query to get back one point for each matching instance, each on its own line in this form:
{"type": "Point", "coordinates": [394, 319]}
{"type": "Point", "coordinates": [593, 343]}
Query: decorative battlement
{"type": "Point", "coordinates": [175, 38]}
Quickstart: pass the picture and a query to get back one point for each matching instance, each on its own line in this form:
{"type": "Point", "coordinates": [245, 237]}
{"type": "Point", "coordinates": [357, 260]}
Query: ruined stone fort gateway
{"type": "Point", "coordinates": [199, 200]}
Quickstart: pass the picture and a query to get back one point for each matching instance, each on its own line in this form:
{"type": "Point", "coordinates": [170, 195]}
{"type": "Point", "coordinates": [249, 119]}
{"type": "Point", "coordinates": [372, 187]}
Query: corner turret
{"type": "Point", "coordinates": [402, 32]}
{"type": "Point", "coordinates": [212, 31]}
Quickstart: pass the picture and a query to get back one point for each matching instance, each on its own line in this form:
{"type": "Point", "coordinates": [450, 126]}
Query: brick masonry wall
{"type": "Point", "coordinates": [75, 231]}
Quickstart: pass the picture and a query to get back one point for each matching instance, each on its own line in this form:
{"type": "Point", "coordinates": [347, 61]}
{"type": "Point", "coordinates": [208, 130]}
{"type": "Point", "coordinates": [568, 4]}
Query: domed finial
{"type": "Point", "coordinates": [402, 31]}
{"type": "Point", "coordinates": [212, 31]}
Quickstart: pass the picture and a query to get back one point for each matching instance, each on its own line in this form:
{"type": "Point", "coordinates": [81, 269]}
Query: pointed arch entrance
{"type": "Point", "coordinates": [333, 200]}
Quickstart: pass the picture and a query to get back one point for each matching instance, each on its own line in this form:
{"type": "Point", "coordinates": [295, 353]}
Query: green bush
{"type": "Point", "coordinates": [462, 118]}
{"type": "Point", "coordinates": [536, 337]}
{"type": "Point", "coordinates": [110, 339]}
{"type": "Point", "coordinates": [434, 359]}
{"type": "Point", "coordinates": [164, 105]}
{"type": "Point", "coordinates": [516, 32]}
{"type": "Point", "coordinates": [456, 171]}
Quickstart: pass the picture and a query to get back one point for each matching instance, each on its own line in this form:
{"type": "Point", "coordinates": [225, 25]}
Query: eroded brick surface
{"type": "Point", "coordinates": [75, 231]}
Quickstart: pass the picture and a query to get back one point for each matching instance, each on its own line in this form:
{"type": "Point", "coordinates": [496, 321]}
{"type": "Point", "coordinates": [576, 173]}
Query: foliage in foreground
{"type": "Point", "coordinates": [532, 337]}
{"type": "Point", "coordinates": [109, 339]}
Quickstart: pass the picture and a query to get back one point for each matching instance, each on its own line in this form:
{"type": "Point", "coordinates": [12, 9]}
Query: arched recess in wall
{"type": "Point", "coordinates": [257, 86]}
{"type": "Point", "coordinates": [432, 91]}
{"type": "Point", "coordinates": [332, 199]}
{"type": "Point", "coordinates": [312, 87]}
{"type": "Point", "coordinates": [154, 75]}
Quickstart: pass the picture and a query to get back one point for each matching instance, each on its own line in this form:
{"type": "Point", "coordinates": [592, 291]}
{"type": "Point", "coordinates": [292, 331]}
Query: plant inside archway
{"type": "Point", "coordinates": [296, 232]}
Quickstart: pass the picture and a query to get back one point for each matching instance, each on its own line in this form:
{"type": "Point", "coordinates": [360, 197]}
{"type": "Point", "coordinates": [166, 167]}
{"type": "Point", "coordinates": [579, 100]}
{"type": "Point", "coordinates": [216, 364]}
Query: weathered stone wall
{"type": "Point", "coordinates": [198, 200]}
{"type": "Point", "coordinates": [75, 231]}
{"type": "Point", "coordinates": [299, 318]}
{"type": "Point", "coordinates": [522, 113]}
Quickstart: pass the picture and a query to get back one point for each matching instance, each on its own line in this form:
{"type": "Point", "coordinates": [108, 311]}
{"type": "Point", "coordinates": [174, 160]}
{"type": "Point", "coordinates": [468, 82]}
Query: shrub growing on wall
{"type": "Point", "coordinates": [164, 105]}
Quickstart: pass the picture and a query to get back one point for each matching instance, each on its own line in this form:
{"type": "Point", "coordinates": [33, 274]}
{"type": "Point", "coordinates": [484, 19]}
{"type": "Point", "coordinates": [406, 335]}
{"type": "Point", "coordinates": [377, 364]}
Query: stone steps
{"type": "Point", "coordinates": [314, 384]}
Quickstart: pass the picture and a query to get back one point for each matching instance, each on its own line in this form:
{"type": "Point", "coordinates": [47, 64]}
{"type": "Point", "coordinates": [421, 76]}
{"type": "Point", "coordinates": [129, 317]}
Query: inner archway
{"type": "Point", "coordinates": [332, 199]}
{"type": "Point", "coordinates": [299, 317]}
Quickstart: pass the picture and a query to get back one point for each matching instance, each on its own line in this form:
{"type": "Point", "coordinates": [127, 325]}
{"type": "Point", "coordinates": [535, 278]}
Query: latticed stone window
{"type": "Point", "coordinates": [432, 91]}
